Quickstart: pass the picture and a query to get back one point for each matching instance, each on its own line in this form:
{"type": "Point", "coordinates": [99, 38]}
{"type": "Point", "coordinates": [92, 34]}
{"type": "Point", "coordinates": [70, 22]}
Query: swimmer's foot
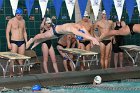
{"type": "Point", "coordinates": [29, 43]}
{"type": "Point", "coordinates": [35, 44]}
{"type": "Point", "coordinates": [11, 76]}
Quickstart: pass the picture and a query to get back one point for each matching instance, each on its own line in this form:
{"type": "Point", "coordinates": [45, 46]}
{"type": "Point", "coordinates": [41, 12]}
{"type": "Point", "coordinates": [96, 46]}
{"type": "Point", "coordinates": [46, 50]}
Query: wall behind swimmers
{"type": "Point", "coordinates": [32, 22]}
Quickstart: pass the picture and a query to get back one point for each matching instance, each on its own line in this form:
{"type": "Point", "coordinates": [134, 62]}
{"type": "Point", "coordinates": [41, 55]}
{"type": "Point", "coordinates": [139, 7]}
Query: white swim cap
{"type": "Point", "coordinates": [86, 13]}
{"type": "Point", "coordinates": [48, 20]}
{"type": "Point", "coordinates": [103, 12]}
{"type": "Point", "coordinates": [98, 79]}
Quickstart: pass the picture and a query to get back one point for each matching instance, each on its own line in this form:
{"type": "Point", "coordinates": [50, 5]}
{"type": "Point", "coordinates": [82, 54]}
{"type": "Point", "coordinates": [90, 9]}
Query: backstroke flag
{"type": "Point", "coordinates": [70, 6]}
{"type": "Point", "coordinates": [138, 3]}
{"type": "Point", "coordinates": [14, 4]}
{"type": "Point", "coordinates": [130, 7]}
{"type": "Point", "coordinates": [1, 2]}
{"type": "Point", "coordinates": [57, 5]}
{"type": "Point", "coordinates": [29, 5]}
{"type": "Point", "coordinates": [43, 6]}
{"type": "Point", "coordinates": [82, 6]}
{"type": "Point", "coordinates": [95, 4]}
{"type": "Point", "coordinates": [108, 6]}
{"type": "Point", "coordinates": [119, 7]}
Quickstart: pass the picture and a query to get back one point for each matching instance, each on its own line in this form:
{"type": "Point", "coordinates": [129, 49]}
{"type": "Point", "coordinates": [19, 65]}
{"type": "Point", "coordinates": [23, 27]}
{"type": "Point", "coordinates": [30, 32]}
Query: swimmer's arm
{"type": "Point", "coordinates": [86, 32]}
{"type": "Point", "coordinates": [8, 29]}
{"type": "Point", "coordinates": [113, 39]}
{"type": "Point", "coordinates": [92, 30]}
{"type": "Point", "coordinates": [112, 25]}
{"type": "Point", "coordinates": [41, 29]}
{"type": "Point", "coordinates": [94, 35]}
{"type": "Point", "coordinates": [68, 41]}
{"type": "Point", "coordinates": [73, 44]}
{"type": "Point", "coordinates": [25, 33]}
{"type": "Point", "coordinates": [123, 24]}
{"type": "Point", "coordinates": [42, 24]}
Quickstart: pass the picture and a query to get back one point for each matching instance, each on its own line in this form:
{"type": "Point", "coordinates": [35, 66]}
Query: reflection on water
{"type": "Point", "coordinates": [107, 87]}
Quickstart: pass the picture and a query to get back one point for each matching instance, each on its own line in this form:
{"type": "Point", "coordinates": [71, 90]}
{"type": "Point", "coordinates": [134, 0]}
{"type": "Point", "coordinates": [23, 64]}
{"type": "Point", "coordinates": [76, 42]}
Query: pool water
{"type": "Point", "coordinates": [107, 87]}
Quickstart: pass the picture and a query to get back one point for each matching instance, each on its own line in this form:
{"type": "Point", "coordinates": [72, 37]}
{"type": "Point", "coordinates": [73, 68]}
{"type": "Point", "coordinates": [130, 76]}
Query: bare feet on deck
{"type": "Point", "coordinates": [29, 43]}
{"type": "Point", "coordinates": [11, 76]}
{"type": "Point", "coordinates": [20, 74]}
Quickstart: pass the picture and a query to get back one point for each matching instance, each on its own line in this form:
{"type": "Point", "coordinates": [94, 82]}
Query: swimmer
{"type": "Point", "coordinates": [68, 28]}
{"type": "Point", "coordinates": [16, 42]}
{"type": "Point", "coordinates": [47, 48]}
{"type": "Point", "coordinates": [117, 42]}
{"type": "Point", "coordinates": [97, 80]}
{"type": "Point", "coordinates": [65, 42]}
{"type": "Point", "coordinates": [104, 26]}
{"type": "Point", "coordinates": [126, 30]}
{"type": "Point", "coordinates": [85, 44]}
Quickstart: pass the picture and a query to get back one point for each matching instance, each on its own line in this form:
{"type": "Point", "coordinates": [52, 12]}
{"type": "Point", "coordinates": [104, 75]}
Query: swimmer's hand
{"type": "Point", "coordinates": [98, 39]}
{"type": "Point", "coordinates": [9, 46]}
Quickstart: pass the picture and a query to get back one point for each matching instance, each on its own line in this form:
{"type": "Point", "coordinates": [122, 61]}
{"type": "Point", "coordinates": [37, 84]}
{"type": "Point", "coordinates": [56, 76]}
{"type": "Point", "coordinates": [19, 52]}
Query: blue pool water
{"type": "Point", "coordinates": [107, 87]}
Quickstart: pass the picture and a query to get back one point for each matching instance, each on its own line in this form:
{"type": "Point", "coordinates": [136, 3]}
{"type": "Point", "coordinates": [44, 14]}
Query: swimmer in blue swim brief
{"type": "Point", "coordinates": [16, 37]}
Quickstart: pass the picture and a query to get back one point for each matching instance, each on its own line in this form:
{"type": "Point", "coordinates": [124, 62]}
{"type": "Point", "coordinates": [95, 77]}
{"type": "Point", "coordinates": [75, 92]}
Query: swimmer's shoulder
{"type": "Point", "coordinates": [23, 20]}
{"type": "Point", "coordinates": [12, 19]}
{"type": "Point", "coordinates": [110, 21]}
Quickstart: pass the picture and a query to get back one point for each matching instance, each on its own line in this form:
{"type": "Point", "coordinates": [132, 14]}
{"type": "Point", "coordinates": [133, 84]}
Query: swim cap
{"type": "Point", "coordinates": [36, 88]}
{"type": "Point", "coordinates": [48, 20]}
{"type": "Point", "coordinates": [79, 37]}
{"type": "Point", "coordinates": [19, 11]}
{"type": "Point", "coordinates": [98, 79]}
{"type": "Point", "coordinates": [103, 12]}
{"type": "Point", "coordinates": [86, 13]}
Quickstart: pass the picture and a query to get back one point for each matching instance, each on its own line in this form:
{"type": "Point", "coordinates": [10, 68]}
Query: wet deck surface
{"type": "Point", "coordinates": [65, 78]}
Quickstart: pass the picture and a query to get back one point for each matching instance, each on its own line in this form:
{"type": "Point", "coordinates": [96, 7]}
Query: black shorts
{"type": "Point", "coordinates": [116, 48]}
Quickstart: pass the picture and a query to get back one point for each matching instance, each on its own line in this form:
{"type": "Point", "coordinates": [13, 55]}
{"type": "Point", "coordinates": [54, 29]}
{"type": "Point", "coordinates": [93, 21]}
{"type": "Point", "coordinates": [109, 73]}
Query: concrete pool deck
{"type": "Point", "coordinates": [66, 78]}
